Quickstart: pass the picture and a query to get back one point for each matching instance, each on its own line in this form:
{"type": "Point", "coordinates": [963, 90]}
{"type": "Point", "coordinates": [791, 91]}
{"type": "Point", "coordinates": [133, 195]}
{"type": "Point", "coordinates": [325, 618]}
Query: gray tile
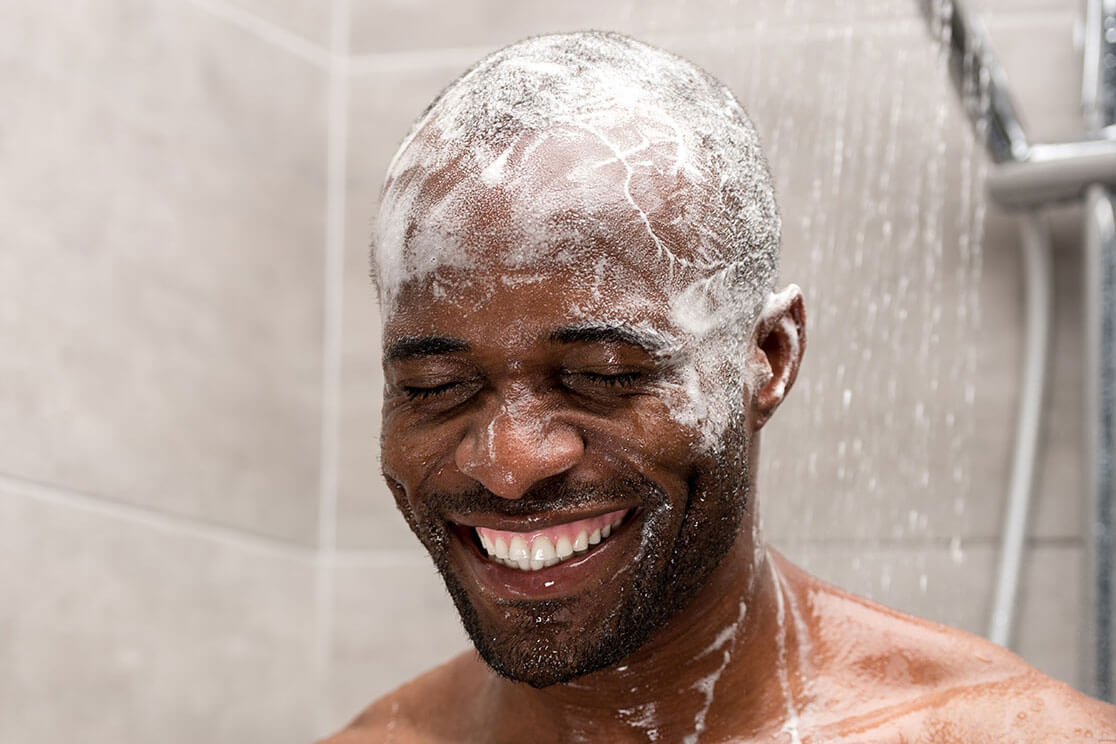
{"type": "Point", "coordinates": [161, 277]}
{"type": "Point", "coordinates": [135, 632]}
{"type": "Point", "coordinates": [1050, 624]}
{"type": "Point", "coordinates": [947, 584]}
{"type": "Point", "coordinates": [393, 619]}
{"type": "Point", "coordinates": [1059, 487]}
{"type": "Point", "coordinates": [309, 19]}
{"type": "Point", "coordinates": [953, 585]}
{"type": "Point", "coordinates": [427, 25]}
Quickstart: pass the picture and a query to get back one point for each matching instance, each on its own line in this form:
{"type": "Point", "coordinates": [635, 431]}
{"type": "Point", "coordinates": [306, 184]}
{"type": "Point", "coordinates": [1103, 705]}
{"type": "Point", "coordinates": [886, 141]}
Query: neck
{"type": "Point", "coordinates": [730, 637]}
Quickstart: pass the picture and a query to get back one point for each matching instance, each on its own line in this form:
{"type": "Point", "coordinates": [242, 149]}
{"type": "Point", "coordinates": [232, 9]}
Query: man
{"type": "Point", "coordinates": [576, 252]}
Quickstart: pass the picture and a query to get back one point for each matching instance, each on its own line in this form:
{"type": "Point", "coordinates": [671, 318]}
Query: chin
{"type": "Point", "coordinates": [549, 653]}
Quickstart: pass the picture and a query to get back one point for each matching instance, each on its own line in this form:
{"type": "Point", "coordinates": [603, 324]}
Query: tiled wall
{"type": "Point", "coordinates": [195, 543]}
{"type": "Point", "coordinates": [162, 192]}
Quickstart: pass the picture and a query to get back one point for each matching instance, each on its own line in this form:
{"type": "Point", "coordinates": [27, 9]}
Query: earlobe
{"type": "Point", "coordinates": [780, 340]}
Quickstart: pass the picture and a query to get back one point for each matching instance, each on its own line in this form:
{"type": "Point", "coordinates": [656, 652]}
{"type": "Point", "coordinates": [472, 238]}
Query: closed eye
{"type": "Point", "coordinates": [414, 392]}
{"type": "Point", "coordinates": [582, 380]}
{"type": "Point", "coordinates": [626, 379]}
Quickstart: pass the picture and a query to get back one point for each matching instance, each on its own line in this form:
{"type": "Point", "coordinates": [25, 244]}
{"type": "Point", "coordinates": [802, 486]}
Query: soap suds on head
{"type": "Point", "coordinates": [544, 144]}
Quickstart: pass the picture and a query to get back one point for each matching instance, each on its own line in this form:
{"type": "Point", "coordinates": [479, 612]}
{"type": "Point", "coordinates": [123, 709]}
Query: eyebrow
{"type": "Point", "coordinates": [620, 333]}
{"type": "Point", "coordinates": [411, 347]}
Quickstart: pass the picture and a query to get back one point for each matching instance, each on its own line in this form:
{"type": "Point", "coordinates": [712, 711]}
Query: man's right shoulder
{"type": "Point", "coordinates": [426, 709]}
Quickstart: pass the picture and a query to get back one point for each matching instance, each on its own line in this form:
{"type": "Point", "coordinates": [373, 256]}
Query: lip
{"type": "Point", "coordinates": [577, 575]}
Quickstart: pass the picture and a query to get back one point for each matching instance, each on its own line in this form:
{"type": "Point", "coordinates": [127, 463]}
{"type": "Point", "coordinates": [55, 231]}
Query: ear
{"type": "Point", "coordinates": [780, 342]}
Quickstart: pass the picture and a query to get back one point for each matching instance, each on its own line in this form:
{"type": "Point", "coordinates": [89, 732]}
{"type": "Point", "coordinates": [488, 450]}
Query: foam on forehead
{"type": "Point", "coordinates": [652, 113]}
{"type": "Point", "coordinates": [683, 163]}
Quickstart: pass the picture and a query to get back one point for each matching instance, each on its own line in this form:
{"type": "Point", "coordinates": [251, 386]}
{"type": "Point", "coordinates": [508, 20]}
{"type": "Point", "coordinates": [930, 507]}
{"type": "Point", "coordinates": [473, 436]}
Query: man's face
{"type": "Point", "coordinates": [533, 437]}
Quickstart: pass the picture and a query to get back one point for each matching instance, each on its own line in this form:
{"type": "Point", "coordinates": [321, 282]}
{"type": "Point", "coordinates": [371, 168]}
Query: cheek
{"type": "Point", "coordinates": [403, 473]}
{"type": "Point", "coordinates": [410, 452]}
{"type": "Point", "coordinates": [393, 461]}
{"type": "Point", "coordinates": [648, 436]}
{"type": "Point", "coordinates": [400, 495]}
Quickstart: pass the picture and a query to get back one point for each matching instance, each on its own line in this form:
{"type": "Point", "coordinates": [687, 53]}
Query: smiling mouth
{"type": "Point", "coordinates": [542, 548]}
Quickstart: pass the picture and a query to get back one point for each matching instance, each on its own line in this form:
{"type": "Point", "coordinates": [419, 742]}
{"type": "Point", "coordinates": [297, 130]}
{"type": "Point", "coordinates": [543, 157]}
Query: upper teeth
{"type": "Point", "coordinates": [531, 551]}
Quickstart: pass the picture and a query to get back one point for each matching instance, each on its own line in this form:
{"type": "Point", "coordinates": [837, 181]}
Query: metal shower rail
{"type": "Point", "coordinates": [1029, 177]}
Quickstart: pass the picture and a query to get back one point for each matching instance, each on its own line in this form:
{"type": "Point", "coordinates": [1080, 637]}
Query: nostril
{"type": "Point", "coordinates": [508, 455]}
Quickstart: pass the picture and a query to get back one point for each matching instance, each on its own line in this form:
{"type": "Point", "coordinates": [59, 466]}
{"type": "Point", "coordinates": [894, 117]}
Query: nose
{"type": "Point", "coordinates": [516, 447]}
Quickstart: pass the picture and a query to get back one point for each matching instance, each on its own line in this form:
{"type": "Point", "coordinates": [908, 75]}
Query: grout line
{"type": "Point", "coordinates": [267, 31]}
{"type": "Point", "coordinates": [159, 520]}
{"type": "Point", "coordinates": [332, 320]}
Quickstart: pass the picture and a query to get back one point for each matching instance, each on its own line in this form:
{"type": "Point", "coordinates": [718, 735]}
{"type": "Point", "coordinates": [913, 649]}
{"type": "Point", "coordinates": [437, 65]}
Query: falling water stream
{"type": "Point", "coordinates": [867, 471]}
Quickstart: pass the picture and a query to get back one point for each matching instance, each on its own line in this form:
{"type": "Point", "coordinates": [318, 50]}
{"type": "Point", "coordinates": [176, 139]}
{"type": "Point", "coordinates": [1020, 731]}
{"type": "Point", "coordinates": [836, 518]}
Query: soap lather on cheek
{"type": "Point", "coordinates": [495, 152]}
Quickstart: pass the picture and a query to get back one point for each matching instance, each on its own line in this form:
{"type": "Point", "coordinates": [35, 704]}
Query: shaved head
{"type": "Point", "coordinates": [651, 115]}
{"type": "Point", "coordinates": [577, 153]}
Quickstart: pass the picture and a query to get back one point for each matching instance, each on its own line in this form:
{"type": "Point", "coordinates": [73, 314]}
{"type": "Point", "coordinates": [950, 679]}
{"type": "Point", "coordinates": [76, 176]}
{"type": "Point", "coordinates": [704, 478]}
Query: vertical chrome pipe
{"type": "Point", "coordinates": [1038, 303]}
{"type": "Point", "coordinates": [1099, 274]}
{"type": "Point", "coordinates": [1099, 596]}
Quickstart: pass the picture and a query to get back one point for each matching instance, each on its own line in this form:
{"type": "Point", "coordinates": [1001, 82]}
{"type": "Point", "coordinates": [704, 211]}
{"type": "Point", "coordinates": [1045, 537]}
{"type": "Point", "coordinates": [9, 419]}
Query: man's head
{"type": "Point", "coordinates": [575, 252]}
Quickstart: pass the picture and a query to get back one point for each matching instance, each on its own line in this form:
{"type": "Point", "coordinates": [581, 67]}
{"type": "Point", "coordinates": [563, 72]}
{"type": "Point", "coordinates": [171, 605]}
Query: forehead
{"type": "Point", "coordinates": [581, 203]}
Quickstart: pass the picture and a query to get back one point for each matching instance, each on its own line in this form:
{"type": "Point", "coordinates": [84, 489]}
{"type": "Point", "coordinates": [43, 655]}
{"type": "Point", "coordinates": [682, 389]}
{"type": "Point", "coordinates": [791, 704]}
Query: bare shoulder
{"type": "Point", "coordinates": [1030, 707]}
{"type": "Point", "coordinates": [884, 675]}
{"type": "Point", "coordinates": [434, 707]}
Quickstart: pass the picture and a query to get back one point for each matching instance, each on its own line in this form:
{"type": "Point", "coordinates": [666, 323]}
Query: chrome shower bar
{"type": "Point", "coordinates": [1029, 177]}
{"type": "Point", "coordinates": [1099, 598]}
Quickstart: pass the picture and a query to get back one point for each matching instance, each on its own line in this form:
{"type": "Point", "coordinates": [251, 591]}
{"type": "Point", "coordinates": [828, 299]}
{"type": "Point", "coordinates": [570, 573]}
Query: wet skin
{"type": "Point", "coordinates": [860, 674]}
{"type": "Point", "coordinates": [501, 412]}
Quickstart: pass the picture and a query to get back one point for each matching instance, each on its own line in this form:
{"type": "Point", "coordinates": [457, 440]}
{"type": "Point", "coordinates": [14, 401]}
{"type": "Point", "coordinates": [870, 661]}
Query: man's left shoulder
{"type": "Point", "coordinates": [913, 680]}
{"type": "Point", "coordinates": [1026, 707]}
